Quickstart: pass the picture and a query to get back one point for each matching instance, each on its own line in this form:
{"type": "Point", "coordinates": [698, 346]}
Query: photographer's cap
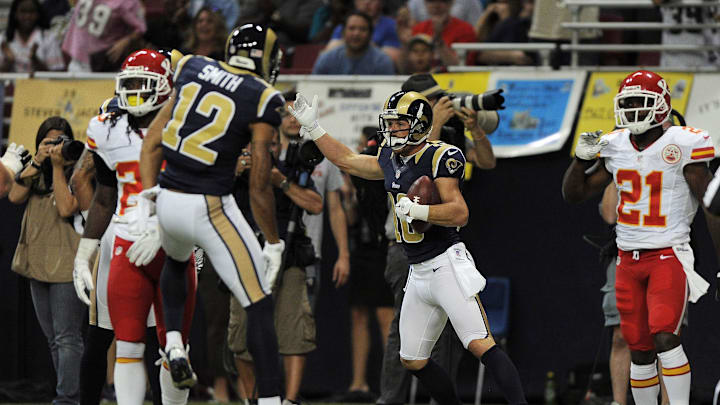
{"type": "Point", "coordinates": [424, 84]}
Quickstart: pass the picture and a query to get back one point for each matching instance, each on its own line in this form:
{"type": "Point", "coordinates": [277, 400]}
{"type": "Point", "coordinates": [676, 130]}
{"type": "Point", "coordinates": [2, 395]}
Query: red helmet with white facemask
{"type": "Point", "coordinates": [144, 82]}
{"type": "Point", "coordinates": [643, 102]}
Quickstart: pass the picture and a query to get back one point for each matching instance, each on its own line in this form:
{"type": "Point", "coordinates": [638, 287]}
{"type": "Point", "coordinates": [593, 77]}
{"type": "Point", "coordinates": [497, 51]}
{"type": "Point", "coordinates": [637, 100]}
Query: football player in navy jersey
{"type": "Point", "coordinates": [443, 280]}
{"type": "Point", "coordinates": [216, 109]}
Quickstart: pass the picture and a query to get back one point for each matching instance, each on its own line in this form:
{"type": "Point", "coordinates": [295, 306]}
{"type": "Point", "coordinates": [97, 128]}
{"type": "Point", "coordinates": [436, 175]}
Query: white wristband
{"type": "Point", "coordinates": [86, 249]}
{"type": "Point", "coordinates": [419, 212]}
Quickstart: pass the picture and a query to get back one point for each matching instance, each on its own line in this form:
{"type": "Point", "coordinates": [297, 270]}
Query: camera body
{"type": "Point", "coordinates": [71, 149]}
{"type": "Point", "coordinates": [485, 105]}
{"type": "Point", "coordinates": [301, 159]}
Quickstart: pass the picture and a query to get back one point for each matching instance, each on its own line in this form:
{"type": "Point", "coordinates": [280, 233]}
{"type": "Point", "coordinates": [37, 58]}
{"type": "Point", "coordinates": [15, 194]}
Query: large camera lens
{"type": "Point", "coordinates": [490, 100]}
{"type": "Point", "coordinates": [71, 150]}
{"type": "Point", "coordinates": [488, 121]}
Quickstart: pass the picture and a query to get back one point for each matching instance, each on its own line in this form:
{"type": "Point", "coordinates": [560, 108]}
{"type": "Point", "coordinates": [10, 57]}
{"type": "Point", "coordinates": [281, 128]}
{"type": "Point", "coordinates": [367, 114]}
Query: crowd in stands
{"type": "Point", "coordinates": [320, 36]}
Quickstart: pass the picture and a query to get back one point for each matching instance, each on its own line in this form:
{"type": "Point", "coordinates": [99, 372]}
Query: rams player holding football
{"type": "Point", "coordinates": [661, 172]}
{"type": "Point", "coordinates": [216, 109]}
{"type": "Point", "coordinates": [443, 280]}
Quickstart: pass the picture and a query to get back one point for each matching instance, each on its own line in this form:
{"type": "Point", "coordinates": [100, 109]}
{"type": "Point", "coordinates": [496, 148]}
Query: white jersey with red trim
{"type": "Point", "coordinates": [119, 147]}
{"type": "Point", "coordinates": [655, 204]}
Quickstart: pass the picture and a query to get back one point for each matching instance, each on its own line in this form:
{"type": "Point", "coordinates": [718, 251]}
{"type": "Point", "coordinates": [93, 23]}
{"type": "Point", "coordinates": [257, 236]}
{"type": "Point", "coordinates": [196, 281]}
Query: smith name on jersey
{"type": "Point", "coordinates": [215, 105]}
{"type": "Point", "coordinates": [435, 159]}
{"type": "Point", "coordinates": [118, 146]}
{"type": "Point", "coordinates": [655, 204]}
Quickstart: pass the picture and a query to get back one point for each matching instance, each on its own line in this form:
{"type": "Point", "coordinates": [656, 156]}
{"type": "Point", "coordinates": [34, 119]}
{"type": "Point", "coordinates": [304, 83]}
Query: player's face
{"type": "Point", "coordinates": [420, 58]}
{"type": "Point", "coordinates": [357, 33]}
{"type": "Point", "coordinates": [635, 102]}
{"type": "Point", "coordinates": [289, 126]}
{"type": "Point", "coordinates": [399, 128]}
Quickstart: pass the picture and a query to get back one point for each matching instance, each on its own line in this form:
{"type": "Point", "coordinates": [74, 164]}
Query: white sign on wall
{"type": "Point", "coordinates": [345, 107]}
{"type": "Point", "coordinates": [703, 107]}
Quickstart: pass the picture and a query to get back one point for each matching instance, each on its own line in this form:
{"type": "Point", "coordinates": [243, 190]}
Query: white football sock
{"type": "Point", "coordinates": [173, 338]}
{"type": "Point", "coordinates": [270, 401]}
{"type": "Point", "coordinates": [676, 375]}
{"type": "Point", "coordinates": [644, 383]}
{"type": "Point", "coordinates": [171, 395]}
{"type": "Point", "coordinates": [130, 380]}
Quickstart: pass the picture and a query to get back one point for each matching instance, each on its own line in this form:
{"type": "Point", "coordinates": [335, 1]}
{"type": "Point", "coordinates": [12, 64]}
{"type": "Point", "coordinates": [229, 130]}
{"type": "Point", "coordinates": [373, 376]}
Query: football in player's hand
{"type": "Point", "coordinates": [423, 191]}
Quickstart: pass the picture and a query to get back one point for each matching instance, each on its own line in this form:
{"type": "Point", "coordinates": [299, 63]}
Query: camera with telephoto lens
{"type": "Point", "coordinates": [302, 157]}
{"type": "Point", "coordinates": [485, 105]}
{"type": "Point", "coordinates": [71, 149]}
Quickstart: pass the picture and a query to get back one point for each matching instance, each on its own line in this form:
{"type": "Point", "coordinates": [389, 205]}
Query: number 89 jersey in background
{"type": "Point", "coordinates": [215, 104]}
{"type": "Point", "coordinates": [655, 204]}
{"type": "Point", "coordinates": [435, 159]}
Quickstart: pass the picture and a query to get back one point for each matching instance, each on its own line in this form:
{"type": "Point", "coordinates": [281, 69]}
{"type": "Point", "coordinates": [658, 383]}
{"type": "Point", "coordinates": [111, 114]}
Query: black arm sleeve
{"type": "Point", "coordinates": [103, 174]}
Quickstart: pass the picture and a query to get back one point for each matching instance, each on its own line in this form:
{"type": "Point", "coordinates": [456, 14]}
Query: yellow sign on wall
{"type": "Point", "coordinates": [36, 100]}
{"type": "Point", "coordinates": [597, 108]}
{"type": "Point", "coordinates": [468, 82]}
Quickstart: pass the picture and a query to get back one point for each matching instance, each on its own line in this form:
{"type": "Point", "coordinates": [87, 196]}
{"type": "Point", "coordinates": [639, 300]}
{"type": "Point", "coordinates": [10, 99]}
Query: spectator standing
{"type": "Point", "coordinates": [208, 35]}
{"type": "Point", "coordinates": [45, 252]}
{"type": "Point", "coordinates": [466, 10]}
{"type": "Point", "coordinates": [384, 33]}
{"type": "Point", "coordinates": [445, 31]}
{"type": "Point", "coordinates": [547, 19]}
{"type": "Point", "coordinates": [291, 19]}
{"type": "Point", "coordinates": [26, 44]}
{"type": "Point", "coordinates": [505, 21]}
{"type": "Point", "coordinates": [357, 56]}
{"type": "Point", "coordinates": [706, 36]}
{"type": "Point", "coordinates": [102, 33]}
{"type": "Point", "coordinates": [326, 18]}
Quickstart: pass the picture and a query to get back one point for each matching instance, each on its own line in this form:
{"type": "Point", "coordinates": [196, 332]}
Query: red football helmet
{"type": "Point", "coordinates": [144, 82]}
{"type": "Point", "coordinates": [643, 102]}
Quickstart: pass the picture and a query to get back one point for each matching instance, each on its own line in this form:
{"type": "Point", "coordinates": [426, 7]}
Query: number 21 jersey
{"type": "Point", "coordinates": [655, 204]}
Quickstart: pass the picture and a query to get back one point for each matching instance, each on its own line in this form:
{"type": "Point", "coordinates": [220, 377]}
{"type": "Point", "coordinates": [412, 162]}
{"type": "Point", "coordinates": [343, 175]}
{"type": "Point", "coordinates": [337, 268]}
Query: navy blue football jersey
{"type": "Point", "coordinates": [436, 159]}
{"type": "Point", "coordinates": [214, 106]}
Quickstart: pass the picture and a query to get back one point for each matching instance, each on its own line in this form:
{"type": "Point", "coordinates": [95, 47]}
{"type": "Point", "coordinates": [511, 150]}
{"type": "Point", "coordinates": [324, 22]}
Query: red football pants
{"type": "Point", "coordinates": [132, 290]}
{"type": "Point", "coordinates": [651, 291]}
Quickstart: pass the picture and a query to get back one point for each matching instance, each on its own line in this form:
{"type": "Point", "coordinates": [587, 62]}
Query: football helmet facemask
{"type": "Point", "coordinates": [255, 48]}
{"type": "Point", "coordinates": [412, 107]}
{"type": "Point", "coordinates": [643, 102]}
{"type": "Point", "coordinates": [144, 82]}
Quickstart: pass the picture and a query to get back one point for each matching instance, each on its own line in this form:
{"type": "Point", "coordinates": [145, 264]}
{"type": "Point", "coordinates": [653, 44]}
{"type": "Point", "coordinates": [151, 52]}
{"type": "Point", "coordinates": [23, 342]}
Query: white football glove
{"type": "Point", "coordinates": [273, 260]}
{"type": "Point", "coordinates": [589, 145]}
{"type": "Point", "coordinates": [15, 159]}
{"type": "Point", "coordinates": [82, 276]}
{"type": "Point", "coordinates": [407, 210]}
{"type": "Point", "coordinates": [145, 208]}
{"type": "Point", "coordinates": [144, 249]}
{"type": "Point", "coordinates": [307, 116]}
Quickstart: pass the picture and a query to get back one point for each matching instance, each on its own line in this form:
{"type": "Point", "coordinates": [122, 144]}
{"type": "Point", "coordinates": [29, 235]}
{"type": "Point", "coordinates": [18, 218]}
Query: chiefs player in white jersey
{"type": "Point", "coordinates": [115, 138]}
{"type": "Point", "coordinates": [661, 172]}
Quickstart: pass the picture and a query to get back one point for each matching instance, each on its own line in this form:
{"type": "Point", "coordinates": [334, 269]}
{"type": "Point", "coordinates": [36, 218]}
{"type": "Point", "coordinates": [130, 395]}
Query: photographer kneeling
{"type": "Point", "coordinates": [294, 322]}
{"type": "Point", "coordinates": [46, 249]}
{"type": "Point", "coordinates": [451, 118]}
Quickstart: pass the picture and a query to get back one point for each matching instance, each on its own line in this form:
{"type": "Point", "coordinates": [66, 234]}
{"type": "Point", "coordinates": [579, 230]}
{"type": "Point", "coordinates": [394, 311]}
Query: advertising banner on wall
{"type": "Point", "coordinates": [36, 100]}
{"type": "Point", "coordinates": [539, 111]}
{"type": "Point", "coordinates": [703, 108]}
{"type": "Point", "coordinates": [597, 110]}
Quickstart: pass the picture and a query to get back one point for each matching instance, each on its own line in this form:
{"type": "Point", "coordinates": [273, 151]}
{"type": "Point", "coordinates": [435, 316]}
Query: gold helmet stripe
{"type": "Point", "coordinates": [406, 100]}
{"type": "Point", "coordinates": [270, 39]}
